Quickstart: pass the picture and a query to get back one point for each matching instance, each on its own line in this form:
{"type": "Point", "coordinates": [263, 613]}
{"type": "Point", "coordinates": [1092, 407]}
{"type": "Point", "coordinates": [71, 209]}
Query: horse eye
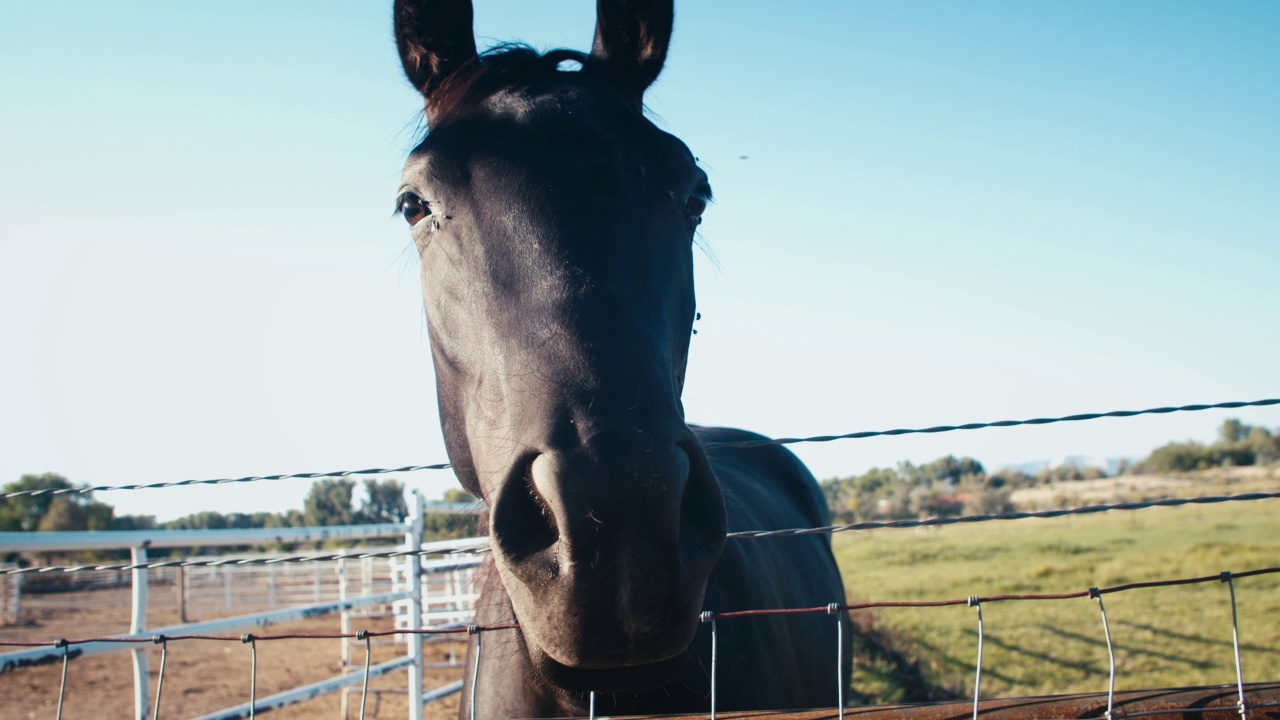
{"type": "Point", "coordinates": [413, 208]}
{"type": "Point", "coordinates": [695, 206]}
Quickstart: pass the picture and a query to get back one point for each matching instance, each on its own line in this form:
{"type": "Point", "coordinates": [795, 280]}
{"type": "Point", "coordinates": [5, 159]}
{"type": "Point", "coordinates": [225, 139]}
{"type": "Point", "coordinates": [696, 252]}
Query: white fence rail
{"type": "Point", "coordinates": [419, 592]}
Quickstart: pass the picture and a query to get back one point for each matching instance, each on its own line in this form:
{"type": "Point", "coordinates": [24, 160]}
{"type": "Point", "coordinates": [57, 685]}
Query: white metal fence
{"type": "Point", "coordinates": [425, 590]}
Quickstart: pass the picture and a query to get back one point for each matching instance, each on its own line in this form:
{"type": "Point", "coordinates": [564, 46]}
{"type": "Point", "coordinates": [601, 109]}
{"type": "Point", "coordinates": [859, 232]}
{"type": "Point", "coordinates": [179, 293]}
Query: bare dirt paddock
{"type": "Point", "coordinates": [202, 676]}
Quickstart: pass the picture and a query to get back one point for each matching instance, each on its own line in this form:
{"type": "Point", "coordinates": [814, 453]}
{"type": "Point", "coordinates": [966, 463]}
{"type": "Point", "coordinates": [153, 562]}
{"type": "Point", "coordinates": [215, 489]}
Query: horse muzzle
{"type": "Point", "coordinates": [605, 548]}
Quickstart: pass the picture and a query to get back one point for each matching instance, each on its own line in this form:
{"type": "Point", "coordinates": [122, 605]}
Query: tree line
{"type": "Point", "coordinates": [330, 501]}
{"type": "Point", "coordinates": [945, 487]}
{"type": "Point", "coordinates": [951, 486]}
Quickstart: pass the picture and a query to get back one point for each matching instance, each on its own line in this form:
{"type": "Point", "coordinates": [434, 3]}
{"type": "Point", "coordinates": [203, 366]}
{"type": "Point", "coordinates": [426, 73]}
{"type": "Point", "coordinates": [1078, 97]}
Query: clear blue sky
{"type": "Point", "coordinates": [947, 212]}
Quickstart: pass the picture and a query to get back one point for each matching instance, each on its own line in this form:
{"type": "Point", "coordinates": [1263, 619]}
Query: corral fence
{"type": "Point", "coordinates": [423, 585]}
{"type": "Point", "coordinates": [10, 596]}
{"type": "Point", "coordinates": [1236, 698]}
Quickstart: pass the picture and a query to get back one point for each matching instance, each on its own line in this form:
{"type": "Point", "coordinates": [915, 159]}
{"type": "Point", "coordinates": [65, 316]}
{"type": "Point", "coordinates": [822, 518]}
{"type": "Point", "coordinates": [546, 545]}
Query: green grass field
{"type": "Point", "coordinates": [1165, 637]}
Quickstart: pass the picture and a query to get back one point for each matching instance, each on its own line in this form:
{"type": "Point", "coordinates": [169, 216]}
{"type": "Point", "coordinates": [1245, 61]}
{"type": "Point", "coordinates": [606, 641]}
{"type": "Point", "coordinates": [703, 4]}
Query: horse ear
{"type": "Point", "coordinates": [435, 38]}
{"type": "Point", "coordinates": [632, 37]}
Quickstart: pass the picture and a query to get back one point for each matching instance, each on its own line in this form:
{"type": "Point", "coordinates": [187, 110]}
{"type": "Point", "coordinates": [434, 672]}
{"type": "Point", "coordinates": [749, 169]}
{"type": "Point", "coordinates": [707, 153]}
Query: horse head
{"type": "Point", "coordinates": [555, 226]}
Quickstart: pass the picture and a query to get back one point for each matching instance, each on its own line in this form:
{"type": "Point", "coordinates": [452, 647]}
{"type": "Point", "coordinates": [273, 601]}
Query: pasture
{"type": "Point", "coordinates": [1163, 637]}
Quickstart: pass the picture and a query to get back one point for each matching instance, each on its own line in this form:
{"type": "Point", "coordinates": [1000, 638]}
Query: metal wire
{"type": "Point", "coordinates": [475, 671]}
{"type": "Point", "coordinates": [996, 424]}
{"type": "Point", "coordinates": [242, 561]}
{"type": "Point", "coordinates": [711, 446]}
{"type": "Point", "coordinates": [162, 641]}
{"type": "Point", "coordinates": [976, 602]}
{"type": "Point", "coordinates": [221, 481]}
{"type": "Point", "coordinates": [1235, 643]}
{"type": "Point", "coordinates": [834, 610]}
{"type": "Point", "coordinates": [710, 617]}
{"type": "Point", "coordinates": [1096, 594]}
{"type": "Point", "coordinates": [62, 687]}
{"type": "Point", "coordinates": [705, 617]}
{"type": "Point", "coordinates": [368, 653]}
{"type": "Point", "coordinates": [939, 521]}
{"type": "Point", "coordinates": [739, 535]}
{"type": "Point", "coordinates": [253, 673]}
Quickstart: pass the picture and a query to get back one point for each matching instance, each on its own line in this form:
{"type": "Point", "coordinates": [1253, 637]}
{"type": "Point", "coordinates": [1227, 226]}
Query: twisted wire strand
{"type": "Point", "coordinates": [710, 446]}
{"type": "Point", "coordinates": [707, 616]}
{"type": "Point", "coordinates": [997, 424]}
{"type": "Point", "coordinates": [221, 481]}
{"type": "Point", "coordinates": [241, 561]}
{"type": "Point", "coordinates": [939, 521]}
{"type": "Point", "coordinates": [357, 635]}
{"type": "Point", "coordinates": [740, 535]}
{"type": "Point", "coordinates": [978, 599]}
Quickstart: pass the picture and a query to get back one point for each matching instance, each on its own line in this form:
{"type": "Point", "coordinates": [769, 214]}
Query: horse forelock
{"type": "Point", "coordinates": [505, 66]}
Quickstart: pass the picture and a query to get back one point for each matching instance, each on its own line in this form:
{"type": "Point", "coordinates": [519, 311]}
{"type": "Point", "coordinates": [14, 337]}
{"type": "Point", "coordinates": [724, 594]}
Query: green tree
{"type": "Point", "coordinates": [1264, 445]}
{"type": "Point", "coordinates": [1179, 457]}
{"type": "Point", "coordinates": [64, 514]}
{"type": "Point", "coordinates": [24, 513]}
{"type": "Point", "coordinates": [456, 495]}
{"type": "Point", "coordinates": [52, 512]}
{"type": "Point", "coordinates": [329, 502]}
{"type": "Point", "coordinates": [1232, 431]}
{"type": "Point", "coordinates": [383, 502]}
{"type": "Point", "coordinates": [134, 522]}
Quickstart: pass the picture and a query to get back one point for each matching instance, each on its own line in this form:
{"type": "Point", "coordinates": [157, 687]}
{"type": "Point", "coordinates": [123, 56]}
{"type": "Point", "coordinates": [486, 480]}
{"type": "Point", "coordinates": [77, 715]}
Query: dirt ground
{"type": "Point", "coordinates": [203, 676]}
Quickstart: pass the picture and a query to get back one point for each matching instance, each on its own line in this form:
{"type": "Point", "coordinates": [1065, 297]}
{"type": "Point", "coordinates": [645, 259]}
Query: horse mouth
{"type": "Point", "coordinates": [628, 679]}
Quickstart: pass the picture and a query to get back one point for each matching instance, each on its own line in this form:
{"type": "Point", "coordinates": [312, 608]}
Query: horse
{"type": "Point", "coordinates": [555, 226]}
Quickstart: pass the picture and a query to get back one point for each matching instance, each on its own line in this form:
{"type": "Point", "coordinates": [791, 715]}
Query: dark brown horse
{"type": "Point", "coordinates": [555, 226]}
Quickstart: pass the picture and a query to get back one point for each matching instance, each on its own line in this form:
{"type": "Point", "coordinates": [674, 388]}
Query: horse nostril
{"type": "Point", "coordinates": [702, 514]}
{"type": "Point", "coordinates": [523, 523]}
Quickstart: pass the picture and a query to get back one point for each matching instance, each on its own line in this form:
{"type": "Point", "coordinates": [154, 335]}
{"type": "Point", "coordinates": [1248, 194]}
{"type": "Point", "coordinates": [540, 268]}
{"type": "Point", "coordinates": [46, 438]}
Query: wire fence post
{"type": "Point", "coordinates": [163, 642]}
{"type": "Point", "coordinates": [344, 616]}
{"type": "Point", "coordinates": [364, 689]}
{"type": "Point", "coordinates": [474, 630]}
{"type": "Point", "coordinates": [1235, 642]}
{"type": "Point", "coordinates": [976, 602]}
{"type": "Point", "coordinates": [138, 623]}
{"type": "Point", "coordinates": [413, 543]}
{"type": "Point", "coordinates": [709, 617]}
{"type": "Point", "coordinates": [251, 641]}
{"type": "Point", "coordinates": [1096, 594]}
{"type": "Point", "coordinates": [62, 686]}
{"type": "Point", "coordinates": [834, 610]}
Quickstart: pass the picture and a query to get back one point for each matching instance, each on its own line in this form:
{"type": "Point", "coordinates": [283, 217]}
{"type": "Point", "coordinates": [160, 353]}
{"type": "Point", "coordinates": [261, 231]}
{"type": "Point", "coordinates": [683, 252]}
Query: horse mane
{"type": "Point", "coordinates": [503, 66]}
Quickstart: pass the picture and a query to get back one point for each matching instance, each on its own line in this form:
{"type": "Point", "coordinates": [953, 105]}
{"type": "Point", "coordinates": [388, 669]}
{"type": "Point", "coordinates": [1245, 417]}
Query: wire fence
{"type": "Point", "coordinates": [839, 611]}
{"type": "Point", "coordinates": [480, 548]}
{"type": "Point", "coordinates": [711, 446]}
